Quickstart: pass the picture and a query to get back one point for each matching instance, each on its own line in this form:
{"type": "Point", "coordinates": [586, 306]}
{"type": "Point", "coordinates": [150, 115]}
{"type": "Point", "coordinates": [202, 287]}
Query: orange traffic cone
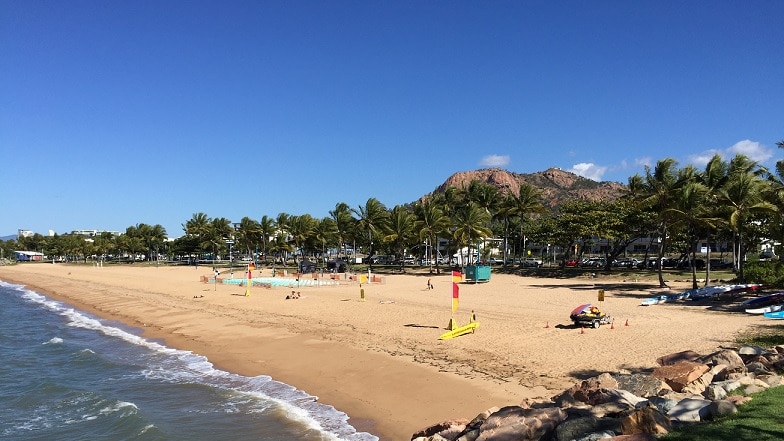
{"type": "Point", "coordinates": [612, 324]}
{"type": "Point", "coordinates": [582, 329]}
{"type": "Point", "coordinates": [627, 322]}
{"type": "Point", "coordinates": [547, 325]}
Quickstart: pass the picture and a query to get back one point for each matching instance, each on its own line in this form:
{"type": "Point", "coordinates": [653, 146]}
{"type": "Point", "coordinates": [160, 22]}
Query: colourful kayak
{"type": "Point", "coordinates": [774, 315]}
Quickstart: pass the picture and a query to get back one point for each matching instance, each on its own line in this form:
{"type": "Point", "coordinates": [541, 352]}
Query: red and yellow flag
{"type": "Point", "coordinates": [455, 297]}
{"type": "Point", "coordinates": [457, 277]}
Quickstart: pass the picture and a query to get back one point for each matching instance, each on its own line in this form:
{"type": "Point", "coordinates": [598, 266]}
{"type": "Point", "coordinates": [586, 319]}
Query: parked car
{"type": "Point", "coordinates": [530, 262]}
{"type": "Point", "coordinates": [572, 263]}
{"type": "Point", "coordinates": [720, 264]}
{"type": "Point", "coordinates": [596, 262]}
{"type": "Point", "coordinates": [495, 261]}
{"type": "Point", "coordinates": [626, 262]}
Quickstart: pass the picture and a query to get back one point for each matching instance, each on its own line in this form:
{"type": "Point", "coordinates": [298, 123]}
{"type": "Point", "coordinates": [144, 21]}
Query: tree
{"type": "Point", "coordinates": [373, 219]}
{"type": "Point", "coordinates": [689, 209]}
{"type": "Point", "coordinates": [657, 191]}
{"type": "Point", "coordinates": [344, 223]}
{"type": "Point", "coordinates": [745, 196]}
{"type": "Point", "coordinates": [521, 206]}
{"type": "Point", "coordinates": [470, 223]}
{"type": "Point", "coordinates": [401, 230]}
{"type": "Point", "coordinates": [430, 222]}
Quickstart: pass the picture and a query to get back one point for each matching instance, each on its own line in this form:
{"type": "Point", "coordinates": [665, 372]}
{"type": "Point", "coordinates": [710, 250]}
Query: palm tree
{"type": "Point", "coordinates": [401, 230]}
{"type": "Point", "coordinates": [248, 234]}
{"type": "Point", "coordinates": [301, 229]}
{"type": "Point", "coordinates": [470, 223]}
{"type": "Point", "coordinates": [526, 202]}
{"type": "Point", "coordinates": [266, 231]}
{"type": "Point", "coordinates": [373, 218]}
{"type": "Point", "coordinates": [198, 226]}
{"type": "Point", "coordinates": [713, 178]}
{"type": "Point", "coordinates": [657, 191]}
{"type": "Point", "coordinates": [430, 223]}
{"type": "Point", "coordinates": [689, 209]}
{"type": "Point", "coordinates": [325, 233]}
{"type": "Point", "coordinates": [745, 195]}
{"type": "Point", "coordinates": [344, 222]}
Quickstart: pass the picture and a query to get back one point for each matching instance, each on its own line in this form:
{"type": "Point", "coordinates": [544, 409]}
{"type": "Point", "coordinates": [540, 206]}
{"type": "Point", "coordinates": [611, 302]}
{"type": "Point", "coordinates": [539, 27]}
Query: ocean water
{"type": "Point", "coordinates": [67, 375]}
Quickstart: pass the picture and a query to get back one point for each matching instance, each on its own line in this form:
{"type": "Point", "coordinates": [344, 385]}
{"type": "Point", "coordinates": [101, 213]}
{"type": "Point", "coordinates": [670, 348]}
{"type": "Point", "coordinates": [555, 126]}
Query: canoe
{"type": "Point", "coordinates": [774, 315]}
{"type": "Point", "coordinates": [701, 293]}
{"type": "Point", "coordinates": [771, 308]}
{"type": "Point", "coordinates": [761, 301]}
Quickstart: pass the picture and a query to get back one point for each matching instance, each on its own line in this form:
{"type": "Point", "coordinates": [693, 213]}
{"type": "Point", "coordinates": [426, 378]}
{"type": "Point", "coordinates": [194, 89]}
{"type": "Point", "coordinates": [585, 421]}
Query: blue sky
{"type": "Point", "coordinates": [118, 113]}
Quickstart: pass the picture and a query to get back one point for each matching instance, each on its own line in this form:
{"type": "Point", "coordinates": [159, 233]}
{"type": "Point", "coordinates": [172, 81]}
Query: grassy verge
{"type": "Point", "coordinates": [761, 419]}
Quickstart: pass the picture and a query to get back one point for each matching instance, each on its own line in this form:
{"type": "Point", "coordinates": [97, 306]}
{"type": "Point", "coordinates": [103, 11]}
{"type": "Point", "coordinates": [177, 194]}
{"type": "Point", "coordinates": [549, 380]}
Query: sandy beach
{"type": "Point", "coordinates": [380, 360]}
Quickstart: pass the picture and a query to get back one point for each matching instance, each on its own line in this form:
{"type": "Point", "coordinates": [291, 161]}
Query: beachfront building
{"type": "Point", "coordinates": [93, 233]}
{"type": "Point", "coordinates": [29, 256]}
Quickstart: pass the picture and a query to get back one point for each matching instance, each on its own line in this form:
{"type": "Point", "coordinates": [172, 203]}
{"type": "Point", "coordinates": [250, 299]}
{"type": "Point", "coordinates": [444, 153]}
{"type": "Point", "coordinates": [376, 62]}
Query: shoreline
{"type": "Point", "coordinates": [380, 361]}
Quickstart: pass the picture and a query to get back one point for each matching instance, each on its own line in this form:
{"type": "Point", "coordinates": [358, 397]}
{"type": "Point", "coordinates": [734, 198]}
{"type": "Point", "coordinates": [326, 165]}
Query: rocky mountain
{"type": "Point", "coordinates": [557, 186]}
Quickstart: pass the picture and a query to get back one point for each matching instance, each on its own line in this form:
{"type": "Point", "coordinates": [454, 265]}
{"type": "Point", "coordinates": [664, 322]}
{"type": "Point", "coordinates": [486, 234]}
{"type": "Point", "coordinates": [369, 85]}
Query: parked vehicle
{"type": "Point", "coordinates": [530, 262]}
{"type": "Point", "coordinates": [626, 262]}
{"type": "Point", "coordinates": [572, 263]}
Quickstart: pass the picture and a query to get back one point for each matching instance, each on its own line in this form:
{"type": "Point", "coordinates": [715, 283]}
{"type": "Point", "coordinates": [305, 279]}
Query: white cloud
{"type": "Point", "coordinates": [589, 170]}
{"type": "Point", "coordinates": [646, 160]}
{"type": "Point", "coordinates": [495, 161]}
{"type": "Point", "coordinates": [754, 150]}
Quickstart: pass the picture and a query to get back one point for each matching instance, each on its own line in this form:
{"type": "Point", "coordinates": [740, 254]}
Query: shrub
{"type": "Point", "coordinates": [766, 273]}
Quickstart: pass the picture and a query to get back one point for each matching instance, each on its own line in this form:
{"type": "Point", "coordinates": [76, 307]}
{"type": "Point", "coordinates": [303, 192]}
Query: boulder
{"type": "Point", "coordinates": [453, 427]}
{"type": "Point", "coordinates": [719, 408]}
{"type": "Point", "coordinates": [715, 392]}
{"type": "Point", "coordinates": [662, 404]}
{"type": "Point", "coordinates": [640, 385]}
{"type": "Point", "coordinates": [646, 420]}
{"type": "Point", "coordinates": [750, 351]}
{"type": "Point", "coordinates": [586, 428]}
{"type": "Point", "coordinates": [772, 380]}
{"type": "Point", "coordinates": [690, 410]}
{"type": "Point", "coordinates": [518, 424]}
{"type": "Point", "coordinates": [727, 357]}
{"type": "Point", "coordinates": [758, 368]}
{"type": "Point", "coordinates": [668, 360]}
{"type": "Point", "coordinates": [679, 375]}
{"type": "Point", "coordinates": [699, 385]}
{"type": "Point", "coordinates": [588, 391]}
{"type": "Point", "coordinates": [737, 400]}
{"type": "Point", "coordinates": [635, 437]}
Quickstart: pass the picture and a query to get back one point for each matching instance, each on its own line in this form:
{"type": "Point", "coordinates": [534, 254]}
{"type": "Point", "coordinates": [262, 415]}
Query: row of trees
{"type": "Point", "coordinates": [736, 201]}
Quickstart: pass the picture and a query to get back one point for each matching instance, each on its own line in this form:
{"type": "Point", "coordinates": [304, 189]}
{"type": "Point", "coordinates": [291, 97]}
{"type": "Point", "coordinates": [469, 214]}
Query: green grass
{"type": "Point", "coordinates": [760, 419]}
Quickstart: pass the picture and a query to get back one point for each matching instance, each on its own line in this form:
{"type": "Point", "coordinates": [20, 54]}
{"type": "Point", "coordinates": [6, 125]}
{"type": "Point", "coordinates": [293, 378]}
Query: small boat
{"type": "Point", "coordinates": [766, 300]}
{"type": "Point", "coordinates": [779, 315]}
{"type": "Point", "coordinates": [702, 293]}
{"type": "Point", "coordinates": [771, 308]}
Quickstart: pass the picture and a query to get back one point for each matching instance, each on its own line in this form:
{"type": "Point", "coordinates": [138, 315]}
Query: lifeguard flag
{"type": "Point", "coordinates": [455, 296]}
{"type": "Point", "coordinates": [457, 277]}
{"type": "Point", "coordinates": [251, 266]}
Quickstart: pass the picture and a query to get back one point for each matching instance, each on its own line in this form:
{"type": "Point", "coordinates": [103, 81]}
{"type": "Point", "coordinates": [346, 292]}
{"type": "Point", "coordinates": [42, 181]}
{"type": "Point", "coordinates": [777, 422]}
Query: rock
{"type": "Point", "coordinates": [678, 375]}
{"type": "Point", "coordinates": [584, 428]}
{"type": "Point", "coordinates": [721, 407]}
{"type": "Point", "coordinates": [635, 437]}
{"type": "Point", "coordinates": [454, 427]}
{"type": "Point", "coordinates": [640, 385]}
{"type": "Point", "coordinates": [646, 420]}
{"type": "Point", "coordinates": [779, 349]}
{"type": "Point", "coordinates": [758, 368]}
{"type": "Point", "coordinates": [662, 404]}
{"type": "Point", "coordinates": [738, 399]}
{"type": "Point", "coordinates": [730, 358]}
{"type": "Point", "coordinates": [727, 385]}
{"type": "Point", "coordinates": [698, 386]}
{"type": "Point", "coordinates": [595, 436]}
{"type": "Point", "coordinates": [690, 410]}
{"type": "Point", "coordinates": [751, 351]}
{"type": "Point", "coordinates": [516, 423]}
{"type": "Point", "coordinates": [714, 392]}
{"type": "Point", "coordinates": [589, 391]}
{"type": "Point", "coordinates": [677, 357]}
{"type": "Point", "coordinates": [772, 380]}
